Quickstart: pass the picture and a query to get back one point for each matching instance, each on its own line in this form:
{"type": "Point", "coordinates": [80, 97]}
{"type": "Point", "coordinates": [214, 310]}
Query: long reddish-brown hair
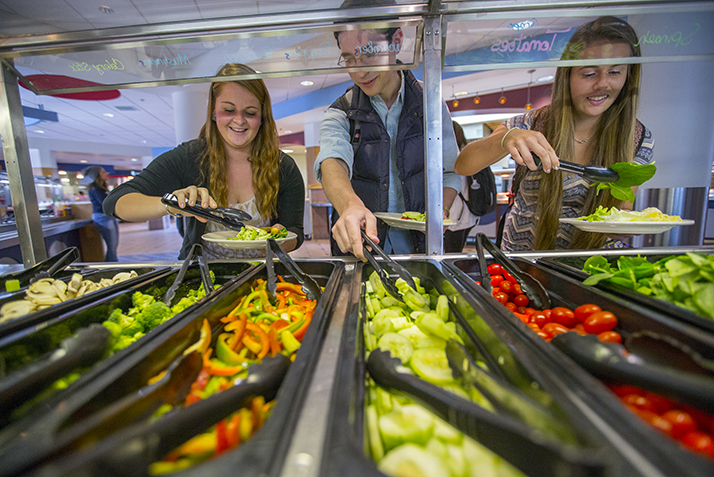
{"type": "Point", "coordinates": [265, 151]}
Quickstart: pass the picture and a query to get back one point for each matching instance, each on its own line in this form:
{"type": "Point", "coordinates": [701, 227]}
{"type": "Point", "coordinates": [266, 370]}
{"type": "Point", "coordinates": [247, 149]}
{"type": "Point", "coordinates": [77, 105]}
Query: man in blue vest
{"type": "Point", "coordinates": [371, 155]}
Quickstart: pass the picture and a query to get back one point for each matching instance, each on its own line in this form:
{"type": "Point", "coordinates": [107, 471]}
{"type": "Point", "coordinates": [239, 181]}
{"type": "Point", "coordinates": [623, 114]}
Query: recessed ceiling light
{"type": "Point", "coordinates": [108, 115]}
{"type": "Point", "coordinates": [39, 131]}
{"type": "Point", "coordinates": [287, 131]}
{"type": "Point", "coordinates": [134, 159]}
{"type": "Point", "coordinates": [143, 142]}
{"type": "Point", "coordinates": [83, 161]}
{"type": "Point", "coordinates": [544, 79]}
{"type": "Point", "coordinates": [80, 175]}
{"type": "Point", "coordinates": [65, 179]}
{"type": "Point", "coordinates": [105, 9]}
{"type": "Point", "coordinates": [307, 83]}
{"type": "Point", "coordinates": [62, 173]}
{"type": "Point", "coordinates": [287, 151]}
{"type": "Point", "coordinates": [461, 93]}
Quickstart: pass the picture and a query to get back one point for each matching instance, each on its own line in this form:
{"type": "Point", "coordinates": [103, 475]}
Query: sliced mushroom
{"type": "Point", "coordinates": [74, 284]}
{"type": "Point", "coordinates": [15, 309]}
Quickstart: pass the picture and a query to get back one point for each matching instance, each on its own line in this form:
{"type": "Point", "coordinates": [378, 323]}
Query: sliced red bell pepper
{"type": "Point", "coordinates": [274, 343]}
{"type": "Point", "coordinates": [221, 438]}
{"type": "Point", "coordinates": [233, 431]}
{"type": "Point", "coordinates": [301, 331]}
{"type": "Point", "coordinates": [290, 287]}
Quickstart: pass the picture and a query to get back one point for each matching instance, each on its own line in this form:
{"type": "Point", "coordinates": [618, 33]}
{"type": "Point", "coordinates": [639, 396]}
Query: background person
{"type": "Point", "coordinates": [371, 155]}
{"type": "Point", "coordinates": [456, 235]}
{"type": "Point", "coordinates": [591, 120]}
{"type": "Point", "coordinates": [107, 226]}
{"type": "Point", "coordinates": [235, 162]}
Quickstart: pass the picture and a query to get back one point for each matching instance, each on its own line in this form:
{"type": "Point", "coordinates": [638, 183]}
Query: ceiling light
{"type": "Point", "coordinates": [287, 151]}
{"type": "Point", "coordinates": [134, 159]}
{"type": "Point", "coordinates": [62, 173]}
{"type": "Point", "coordinates": [477, 99]}
{"type": "Point", "coordinates": [80, 175]}
{"type": "Point", "coordinates": [529, 106]}
{"type": "Point", "coordinates": [65, 179]}
{"type": "Point", "coordinates": [502, 99]}
{"type": "Point", "coordinates": [544, 79]}
{"type": "Point", "coordinates": [460, 93]}
{"type": "Point", "coordinates": [456, 103]}
{"type": "Point", "coordinates": [105, 9]}
{"type": "Point", "coordinates": [108, 115]}
{"type": "Point", "coordinates": [143, 142]}
{"type": "Point", "coordinates": [287, 131]}
{"type": "Point", "coordinates": [83, 161]}
{"type": "Point", "coordinates": [307, 83]}
{"type": "Point", "coordinates": [39, 131]}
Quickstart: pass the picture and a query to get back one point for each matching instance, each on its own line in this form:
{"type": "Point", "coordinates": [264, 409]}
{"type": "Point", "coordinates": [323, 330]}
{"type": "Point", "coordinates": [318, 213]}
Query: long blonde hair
{"type": "Point", "coordinates": [265, 151]}
{"type": "Point", "coordinates": [614, 137]}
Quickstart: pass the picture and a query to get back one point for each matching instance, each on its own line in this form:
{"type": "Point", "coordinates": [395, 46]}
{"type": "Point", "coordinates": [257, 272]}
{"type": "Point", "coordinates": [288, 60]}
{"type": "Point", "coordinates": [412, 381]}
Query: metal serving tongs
{"type": "Point", "coordinates": [45, 269]}
{"type": "Point", "coordinates": [534, 453]}
{"type": "Point", "coordinates": [82, 349]}
{"type": "Point", "coordinates": [533, 289]}
{"type": "Point", "coordinates": [231, 218]}
{"type": "Point", "coordinates": [611, 362]}
{"type": "Point", "coordinates": [134, 448]}
{"type": "Point", "coordinates": [387, 281]}
{"type": "Point", "coordinates": [197, 251]}
{"type": "Point", "coordinates": [309, 285]}
{"type": "Point", "coordinates": [591, 173]}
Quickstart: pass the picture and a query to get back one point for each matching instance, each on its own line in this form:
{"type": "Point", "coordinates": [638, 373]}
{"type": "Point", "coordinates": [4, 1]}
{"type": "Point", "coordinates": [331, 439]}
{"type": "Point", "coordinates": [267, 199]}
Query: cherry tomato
{"type": "Point", "coordinates": [511, 306]}
{"type": "Point", "coordinates": [510, 277]}
{"type": "Point", "coordinates": [534, 327]}
{"type": "Point", "coordinates": [506, 286]}
{"type": "Point", "coordinates": [502, 297]}
{"type": "Point", "coordinates": [583, 311]}
{"type": "Point", "coordinates": [478, 283]}
{"type": "Point", "coordinates": [564, 316]}
{"type": "Point", "coordinates": [523, 318]}
{"type": "Point", "coordinates": [644, 414]}
{"type": "Point", "coordinates": [599, 322]}
{"type": "Point", "coordinates": [662, 425]}
{"type": "Point", "coordinates": [539, 319]}
{"type": "Point", "coordinates": [661, 403]}
{"type": "Point", "coordinates": [547, 313]}
{"type": "Point", "coordinates": [700, 442]}
{"type": "Point", "coordinates": [705, 422]}
{"type": "Point", "coordinates": [496, 280]}
{"type": "Point", "coordinates": [517, 289]}
{"type": "Point", "coordinates": [609, 336]}
{"type": "Point", "coordinates": [543, 335]}
{"type": "Point", "coordinates": [640, 402]}
{"type": "Point", "coordinates": [579, 329]}
{"type": "Point", "coordinates": [495, 269]}
{"type": "Point", "coordinates": [623, 390]}
{"type": "Point", "coordinates": [522, 310]}
{"type": "Point", "coordinates": [554, 329]}
{"type": "Point", "coordinates": [495, 290]}
{"type": "Point", "coordinates": [529, 311]}
{"type": "Point", "coordinates": [682, 422]}
{"type": "Point", "coordinates": [521, 300]}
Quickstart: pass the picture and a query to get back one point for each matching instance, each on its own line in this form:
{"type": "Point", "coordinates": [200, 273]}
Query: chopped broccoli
{"type": "Point", "coordinates": [115, 315]}
{"type": "Point", "coordinates": [153, 315]}
{"type": "Point", "coordinates": [130, 325]}
{"type": "Point", "coordinates": [114, 328]}
{"type": "Point", "coordinates": [183, 303]}
{"type": "Point", "coordinates": [141, 301]}
{"type": "Point", "coordinates": [122, 342]}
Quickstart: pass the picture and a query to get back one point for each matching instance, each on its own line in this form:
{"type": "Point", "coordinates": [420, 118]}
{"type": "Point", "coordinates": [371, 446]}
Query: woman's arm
{"type": "Point", "coordinates": [515, 141]}
{"type": "Point", "coordinates": [291, 201]}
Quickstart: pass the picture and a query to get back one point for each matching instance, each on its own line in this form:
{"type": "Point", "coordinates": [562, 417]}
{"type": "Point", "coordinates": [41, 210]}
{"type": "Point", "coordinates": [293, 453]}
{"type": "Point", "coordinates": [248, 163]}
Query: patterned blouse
{"type": "Point", "coordinates": [521, 222]}
{"type": "Point", "coordinates": [214, 251]}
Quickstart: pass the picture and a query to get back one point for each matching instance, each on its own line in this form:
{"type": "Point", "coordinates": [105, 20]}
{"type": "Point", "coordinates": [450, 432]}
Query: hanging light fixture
{"type": "Point", "coordinates": [456, 101]}
{"type": "Point", "coordinates": [502, 99]}
{"type": "Point", "coordinates": [529, 106]}
{"type": "Point", "coordinates": [477, 99]}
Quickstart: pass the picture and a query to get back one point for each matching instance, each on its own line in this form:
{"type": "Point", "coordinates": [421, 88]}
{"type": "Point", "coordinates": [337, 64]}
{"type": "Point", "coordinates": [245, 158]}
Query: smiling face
{"type": "Point", "coordinates": [593, 89]}
{"type": "Point", "coordinates": [383, 83]}
{"type": "Point", "coordinates": [238, 116]}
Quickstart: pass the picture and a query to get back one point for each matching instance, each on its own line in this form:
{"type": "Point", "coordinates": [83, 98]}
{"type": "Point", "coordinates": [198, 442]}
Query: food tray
{"type": "Point", "coordinates": [41, 317]}
{"type": "Point", "coordinates": [573, 267]}
{"type": "Point", "coordinates": [344, 449]}
{"type": "Point", "coordinates": [261, 454]}
{"type": "Point", "coordinates": [657, 449]}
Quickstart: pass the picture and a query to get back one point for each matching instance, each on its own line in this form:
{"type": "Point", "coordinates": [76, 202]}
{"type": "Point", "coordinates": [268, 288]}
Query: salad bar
{"type": "Point", "coordinates": [544, 364]}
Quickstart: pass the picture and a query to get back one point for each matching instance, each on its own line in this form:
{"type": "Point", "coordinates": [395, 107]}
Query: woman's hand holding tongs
{"type": "Point", "coordinates": [192, 195]}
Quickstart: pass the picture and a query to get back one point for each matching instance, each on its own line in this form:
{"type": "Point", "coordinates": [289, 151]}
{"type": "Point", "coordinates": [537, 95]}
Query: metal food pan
{"type": "Point", "coordinates": [33, 344]}
{"type": "Point", "coordinates": [652, 447]}
{"type": "Point", "coordinates": [69, 416]}
{"type": "Point", "coordinates": [573, 267]}
{"type": "Point", "coordinates": [344, 444]}
{"type": "Point", "coordinates": [38, 317]}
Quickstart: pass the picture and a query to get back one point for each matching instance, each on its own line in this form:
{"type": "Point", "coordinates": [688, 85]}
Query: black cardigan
{"type": "Point", "coordinates": [179, 168]}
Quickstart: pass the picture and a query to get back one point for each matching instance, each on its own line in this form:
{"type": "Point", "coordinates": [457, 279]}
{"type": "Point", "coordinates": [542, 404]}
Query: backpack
{"type": "Point", "coordinates": [482, 192]}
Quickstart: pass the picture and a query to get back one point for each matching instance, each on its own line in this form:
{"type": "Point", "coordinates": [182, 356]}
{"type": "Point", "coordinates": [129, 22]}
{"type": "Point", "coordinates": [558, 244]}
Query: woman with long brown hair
{"type": "Point", "coordinates": [96, 177]}
{"type": "Point", "coordinates": [591, 120]}
{"type": "Point", "coordinates": [235, 162]}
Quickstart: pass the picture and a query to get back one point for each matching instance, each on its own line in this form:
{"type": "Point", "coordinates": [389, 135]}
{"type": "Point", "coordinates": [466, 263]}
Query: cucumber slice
{"type": "Point", "coordinates": [409, 423]}
{"type": "Point", "coordinates": [399, 346]}
{"type": "Point", "coordinates": [431, 364]}
{"type": "Point", "coordinates": [442, 307]}
{"type": "Point", "coordinates": [401, 322]}
{"type": "Point", "coordinates": [447, 433]}
{"type": "Point", "coordinates": [456, 460]}
{"type": "Point", "coordinates": [410, 460]}
{"type": "Point", "coordinates": [388, 301]}
{"type": "Point", "coordinates": [375, 440]}
{"type": "Point", "coordinates": [432, 341]}
{"type": "Point", "coordinates": [382, 323]}
{"type": "Point", "coordinates": [430, 323]}
{"type": "Point", "coordinates": [413, 334]}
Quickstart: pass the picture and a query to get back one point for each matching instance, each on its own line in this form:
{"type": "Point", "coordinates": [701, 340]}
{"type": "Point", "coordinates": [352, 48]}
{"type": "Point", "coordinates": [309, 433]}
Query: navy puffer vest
{"type": "Point", "coordinates": [370, 142]}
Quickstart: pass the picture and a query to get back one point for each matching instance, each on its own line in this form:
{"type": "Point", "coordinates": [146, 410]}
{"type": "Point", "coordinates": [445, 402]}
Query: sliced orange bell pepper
{"type": "Point", "coordinates": [262, 336]}
{"type": "Point", "coordinates": [220, 369]}
{"type": "Point", "coordinates": [301, 331]}
{"type": "Point", "coordinates": [290, 287]}
{"type": "Point", "coordinates": [274, 343]}
{"type": "Point", "coordinates": [257, 408]}
{"type": "Point", "coordinates": [204, 340]}
{"type": "Point", "coordinates": [232, 431]}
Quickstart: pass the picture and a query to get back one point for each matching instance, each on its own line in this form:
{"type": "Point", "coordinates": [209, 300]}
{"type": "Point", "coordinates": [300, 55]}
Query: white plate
{"type": "Point", "coordinates": [625, 228]}
{"type": "Point", "coordinates": [221, 238]}
{"type": "Point", "coordinates": [394, 219]}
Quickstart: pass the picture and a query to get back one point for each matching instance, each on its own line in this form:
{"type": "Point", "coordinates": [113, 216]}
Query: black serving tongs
{"type": "Point", "coordinates": [387, 281]}
{"type": "Point", "coordinates": [528, 450]}
{"type": "Point", "coordinates": [45, 269]}
{"type": "Point", "coordinates": [134, 448]}
{"type": "Point", "coordinates": [197, 252]}
{"type": "Point", "coordinates": [309, 285]}
{"type": "Point", "coordinates": [84, 348]}
{"type": "Point", "coordinates": [611, 362]}
{"type": "Point", "coordinates": [231, 218]}
{"type": "Point", "coordinates": [591, 173]}
{"type": "Point", "coordinates": [533, 289]}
